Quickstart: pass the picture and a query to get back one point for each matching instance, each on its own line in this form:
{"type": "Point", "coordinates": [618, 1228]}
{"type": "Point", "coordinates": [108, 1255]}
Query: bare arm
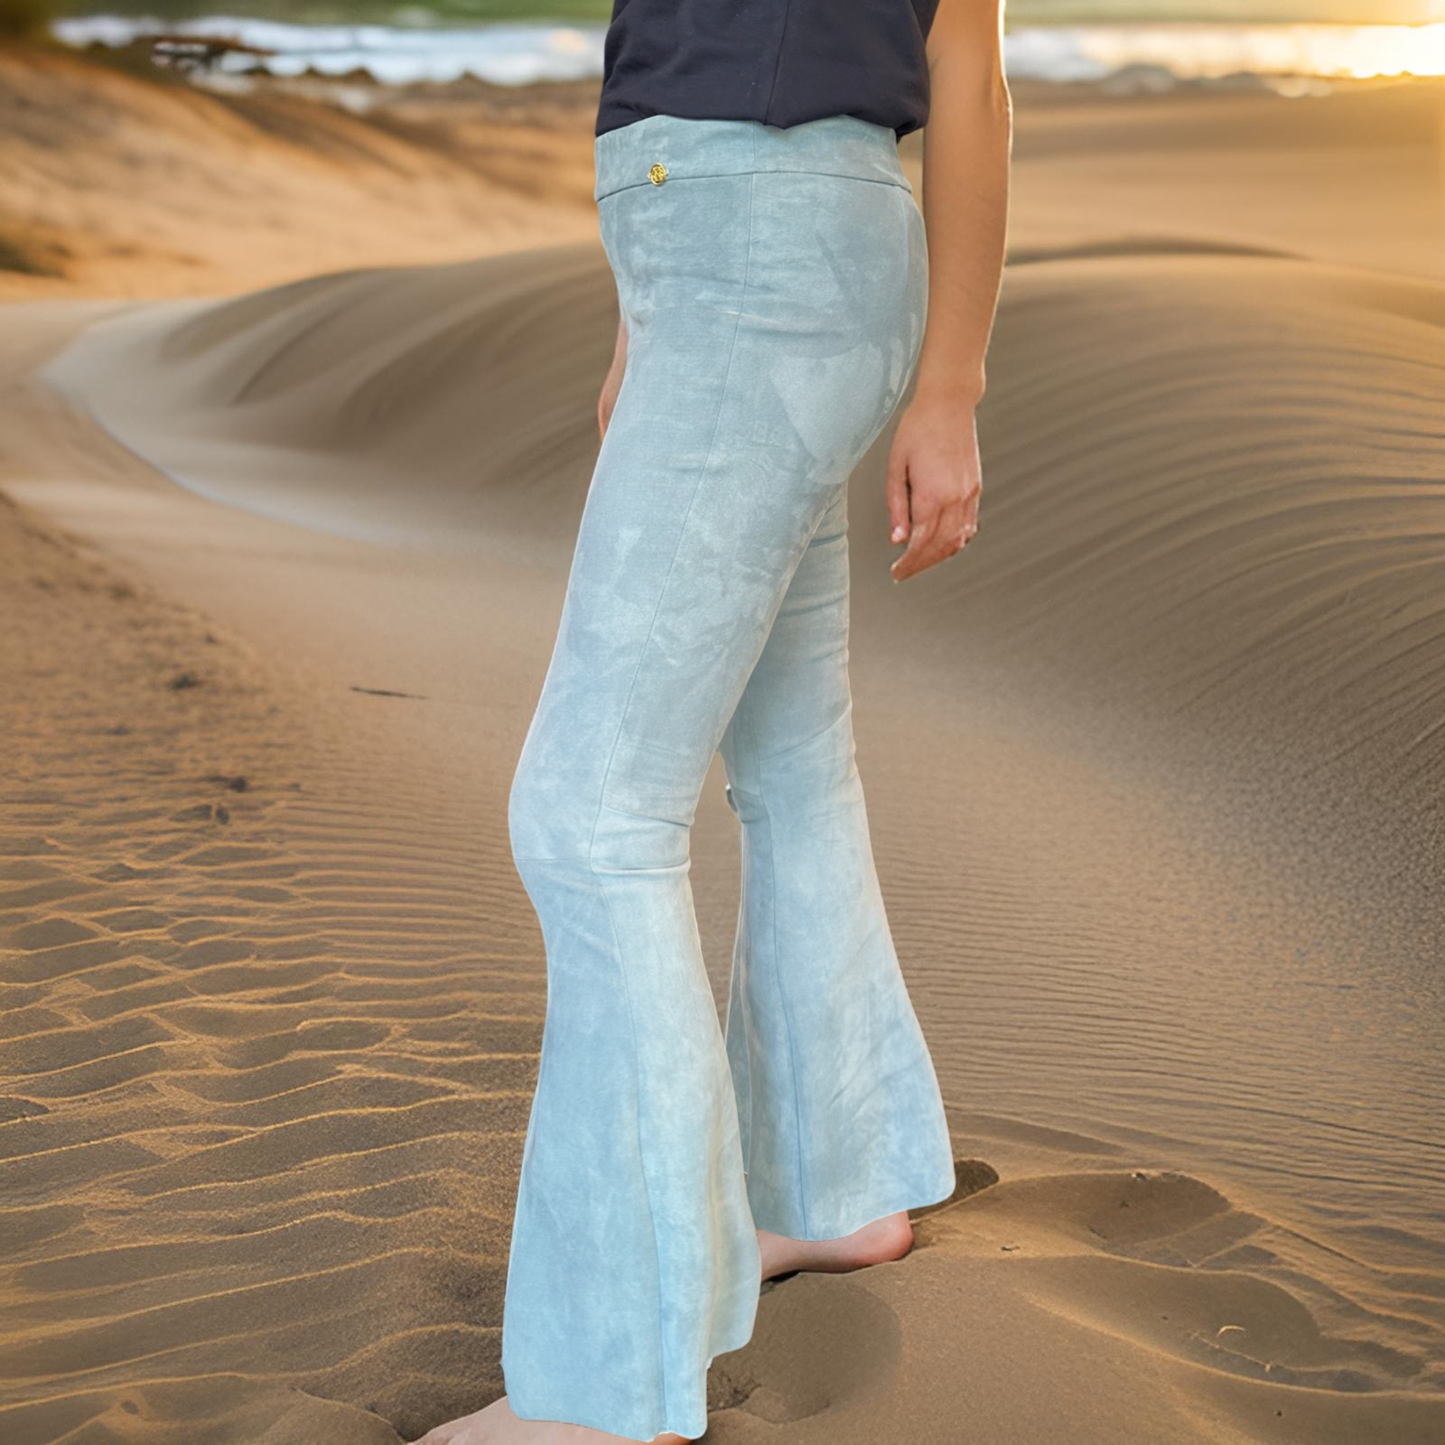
{"type": "Point", "coordinates": [966, 146]}
{"type": "Point", "coordinates": [934, 474]}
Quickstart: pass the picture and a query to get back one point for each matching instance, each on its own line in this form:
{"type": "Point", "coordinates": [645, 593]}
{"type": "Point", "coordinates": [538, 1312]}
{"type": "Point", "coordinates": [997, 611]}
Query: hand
{"type": "Point", "coordinates": [613, 382]}
{"type": "Point", "coordinates": [934, 480]}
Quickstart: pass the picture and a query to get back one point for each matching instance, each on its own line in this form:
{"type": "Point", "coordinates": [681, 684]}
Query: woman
{"type": "Point", "coordinates": [773, 279]}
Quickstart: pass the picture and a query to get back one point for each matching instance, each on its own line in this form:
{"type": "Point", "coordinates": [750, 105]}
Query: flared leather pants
{"type": "Point", "coordinates": [774, 283]}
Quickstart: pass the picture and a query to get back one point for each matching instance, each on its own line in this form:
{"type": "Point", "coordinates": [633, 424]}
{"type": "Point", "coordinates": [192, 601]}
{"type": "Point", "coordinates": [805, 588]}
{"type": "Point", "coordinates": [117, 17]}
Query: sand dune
{"type": "Point", "coordinates": [327, 389]}
{"type": "Point", "coordinates": [136, 185]}
{"type": "Point", "coordinates": [1252, 443]}
{"type": "Point", "coordinates": [1041, 1289]}
{"type": "Point", "coordinates": [1154, 779]}
{"type": "Point", "coordinates": [1351, 178]}
{"type": "Point", "coordinates": [129, 184]}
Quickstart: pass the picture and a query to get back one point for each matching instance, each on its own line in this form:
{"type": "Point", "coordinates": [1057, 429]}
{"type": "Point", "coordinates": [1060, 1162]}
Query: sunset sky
{"type": "Point", "coordinates": [1349, 12]}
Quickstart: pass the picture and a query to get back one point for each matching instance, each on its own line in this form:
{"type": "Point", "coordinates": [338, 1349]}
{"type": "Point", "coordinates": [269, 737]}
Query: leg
{"type": "Point", "coordinates": [841, 1118]}
{"type": "Point", "coordinates": [770, 323]}
{"type": "Point", "coordinates": [634, 1258]}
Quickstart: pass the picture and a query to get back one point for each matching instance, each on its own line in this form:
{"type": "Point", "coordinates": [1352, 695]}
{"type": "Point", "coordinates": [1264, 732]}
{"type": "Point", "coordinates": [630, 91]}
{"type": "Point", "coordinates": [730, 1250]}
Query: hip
{"type": "Point", "coordinates": [808, 236]}
{"type": "Point", "coordinates": [784, 270]}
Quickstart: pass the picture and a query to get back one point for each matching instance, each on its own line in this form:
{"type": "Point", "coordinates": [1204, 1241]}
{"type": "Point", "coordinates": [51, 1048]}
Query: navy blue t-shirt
{"type": "Point", "coordinates": [778, 61]}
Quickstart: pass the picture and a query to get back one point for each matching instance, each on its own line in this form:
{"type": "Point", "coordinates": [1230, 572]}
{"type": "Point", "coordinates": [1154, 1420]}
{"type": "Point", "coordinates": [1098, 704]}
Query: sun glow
{"type": "Point", "coordinates": [1357, 51]}
{"type": "Point", "coordinates": [1396, 50]}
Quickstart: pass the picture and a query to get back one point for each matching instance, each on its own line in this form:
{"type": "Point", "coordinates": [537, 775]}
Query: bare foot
{"type": "Point", "coordinates": [888, 1238]}
{"type": "Point", "coordinates": [497, 1425]}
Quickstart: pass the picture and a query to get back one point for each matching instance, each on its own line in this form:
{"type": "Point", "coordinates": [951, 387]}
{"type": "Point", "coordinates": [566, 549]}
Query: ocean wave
{"type": "Point", "coordinates": [1127, 55]}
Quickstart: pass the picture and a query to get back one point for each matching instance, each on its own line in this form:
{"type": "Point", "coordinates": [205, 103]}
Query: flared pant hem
{"type": "Point", "coordinates": [901, 1202]}
{"type": "Point", "coordinates": [689, 1429]}
{"type": "Point", "coordinates": [840, 1226]}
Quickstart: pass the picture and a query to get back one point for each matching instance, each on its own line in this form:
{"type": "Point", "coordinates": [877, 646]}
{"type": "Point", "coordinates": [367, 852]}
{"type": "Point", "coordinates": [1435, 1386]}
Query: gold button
{"type": "Point", "coordinates": [658, 174]}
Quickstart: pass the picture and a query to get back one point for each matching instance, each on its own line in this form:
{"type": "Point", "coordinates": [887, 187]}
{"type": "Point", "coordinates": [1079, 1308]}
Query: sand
{"type": "Point", "coordinates": [1154, 776]}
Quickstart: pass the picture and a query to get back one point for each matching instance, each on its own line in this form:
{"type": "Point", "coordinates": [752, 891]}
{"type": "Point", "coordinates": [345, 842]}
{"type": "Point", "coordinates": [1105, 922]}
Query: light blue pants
{"type": "Point", "coordinates": [774, 284]}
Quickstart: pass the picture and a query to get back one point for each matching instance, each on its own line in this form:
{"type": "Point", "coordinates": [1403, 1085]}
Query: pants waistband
{"type": "Point", "coordinates": [685, 147]}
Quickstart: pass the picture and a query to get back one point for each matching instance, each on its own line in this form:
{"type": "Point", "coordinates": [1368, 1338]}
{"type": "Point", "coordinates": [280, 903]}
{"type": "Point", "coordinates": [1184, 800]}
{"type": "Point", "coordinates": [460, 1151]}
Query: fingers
{"type": "Point", "coordinates": [937, 536]}
{"type": "Point", "coordinates": [921, 551]}
{"type": "Point", "coordinates": [896, 491]}
{"type": "Point", "coordinates": [970, 512]}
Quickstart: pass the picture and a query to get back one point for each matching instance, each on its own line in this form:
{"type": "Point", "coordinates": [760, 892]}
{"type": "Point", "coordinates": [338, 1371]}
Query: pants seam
{"type": "Point", "coordinates": [778, 978]}
{"type": "Point", "coordinates": [682, 526]}
{"type": "Point", "coordinates": [641, 1143]}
